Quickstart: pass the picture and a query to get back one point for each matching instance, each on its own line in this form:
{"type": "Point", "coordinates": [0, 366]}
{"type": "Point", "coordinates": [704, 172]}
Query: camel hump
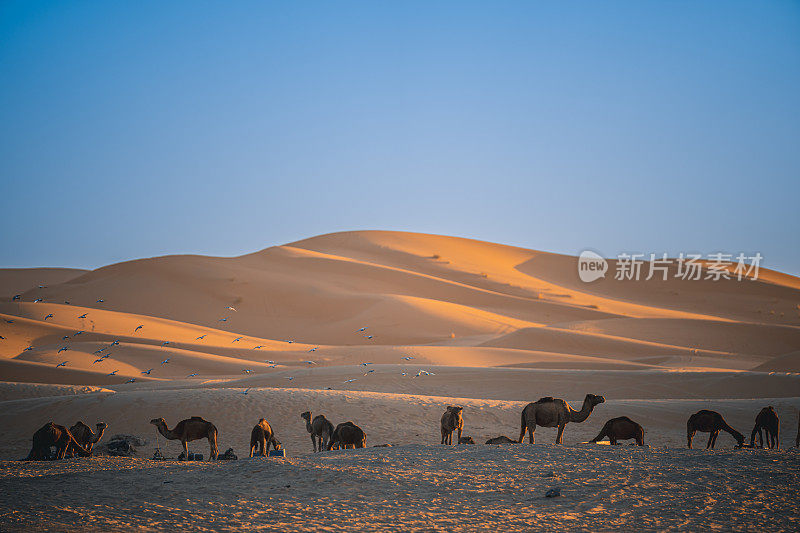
{"type": "Point", "coordinates": [545, 399]}
{"type": "Point", "coordinates": [198, 418]}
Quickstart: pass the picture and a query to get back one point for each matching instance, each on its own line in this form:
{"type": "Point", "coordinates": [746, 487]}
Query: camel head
{"type": "Point", "coordinates": [306, 416]}
{"type": "Point", "coordinates": [277, 444]}
{"type": "Point", "coordinates": [455, 409]}
{"type": "Point", "coordinates": [101, 426]}
{"type": "Point", "coordinates": [595, 399]}
{"type": "Point", "coordinates": [158, 422]}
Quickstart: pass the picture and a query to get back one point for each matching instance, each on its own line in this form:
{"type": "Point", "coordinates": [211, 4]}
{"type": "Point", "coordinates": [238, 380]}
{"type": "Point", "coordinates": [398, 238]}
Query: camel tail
{"type": "Point", "coordinates": [523, 427]}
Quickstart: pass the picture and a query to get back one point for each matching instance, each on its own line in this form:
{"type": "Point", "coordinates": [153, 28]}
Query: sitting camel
{"type": "Point", "coordinates": [261, 437]}
{"type": "Point", "coordinates": [768, 421]}
{"type": "Point", "coordinates": [51, 435]}
{"type": "Point", "coordinates": [451, 421]}
{"type": "Point", "coordinates": [347, 435]}
{"type": "Point", "coordinates": [188, 430]}
{"type": "Point", "coordinates": [320, 428]}
{"type": "Point", "coordinates": [710, 422]}
{"type": "Point", "coordinates": [502, 439]}
{"type": "Point", "coordinates": [553, 412]}
{"type": "Point", "coordinates": [84, 436]}
{"type": "Point", "coordinates": [621, 428]}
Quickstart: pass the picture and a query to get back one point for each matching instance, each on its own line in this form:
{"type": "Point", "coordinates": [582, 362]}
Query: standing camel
{"type": "Point", "coordinates": [84, 436]}
{"type": "Point", "coordinates": [710, 422]}
{"type": "Point", "coordinates": [768, 421]}
{"type": "Point", "coordinates": [621, 428]}
{"type": "Point", "coordinates": [261, 437]}
{"type": "Point", "coordinates": [451, 421]}
{"type": "Point", "coordinates": [188, 430]}
{"type": "Point", "coordinates": [552, 412]}
{"type": "Point", "coordinates": [320, 428]}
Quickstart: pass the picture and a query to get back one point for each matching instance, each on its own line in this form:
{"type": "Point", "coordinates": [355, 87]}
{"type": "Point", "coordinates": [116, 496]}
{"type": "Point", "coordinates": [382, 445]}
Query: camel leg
{"type": "Point", "coordinates": [689, 437]}
{"type": "Point", "coordinates": [560, 433]}
{"type": "Point", "coordinates": [612, 440]}
{"type": "Point", "coordinates": [314, 442]}
{"type": "Point", "coordinates": [212, 444]}
{"type": "Point", "coordinates": [459, 436]}
{"type": "Point", "coordinates": [185, 450]}
{"type": "Point", "coordinates": [711, 438]}
{"type": "Point", "coordinates": [531, 436]}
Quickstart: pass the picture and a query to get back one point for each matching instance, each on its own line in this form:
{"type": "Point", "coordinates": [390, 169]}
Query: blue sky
{"type": "Point", "coordinates": [137, 129]}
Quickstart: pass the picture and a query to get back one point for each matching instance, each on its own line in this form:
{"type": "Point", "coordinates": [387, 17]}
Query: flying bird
{"type": "Point", "coordinates": [16, 297]}
{"type": "Point", "coordinates": [99, 300]}
{"type": "Point", "coordinates": [313, 349]}
{"type": "Point", "coordinates": [83, 315]}
{"type": "Point", "coordinates": [3, 338]}
{"type": "Point", "coordinates": [237, 339]}
{"type": "Point", "coordinates": [164, 343]}
{"type": "Point", "coordinates": [424, 373]}
{"type": "Point", "coordinates": [29, 348]}
{"type": "Point", "coordinates": [131, 380]}
{"type": "Point", "coordinates": [63, 363]}
{"type": "Point", "coordinates": [363, 329]}
{"type": "Point", "coordinates": [270, 362]}
{"type": "Point", "coordinates": [367, 336]}
{"type": "Point", "coordinates": [106, 356]}
{"type": "Point", "coordinates": [115, 343]}
{"type": "Point", "coordinates": [147, 371]}
{"type": "Point", "coordinates": [49, 316]}
{"type": "Point", "coordinates": [65, 337]}
{"type": "Point", "coordinates": [140, 326]}
{"type": "Point", "coordinates": [114, 373]}
{"type": "Point", "coordinates": [192, 375]}
{"type": "Point", "coordinates": [100, 350]}
{"type": "Point", "coordinates": [37, 300]}
{"type": "Point", "coordinates": [259, 346]}
{"type": "Point", "coordinates": [247, 371]}
{"type": "Point", "coordinates": [408, 358]}
{"type": "Point", "coordinates": [349, 380]}
{"type": "Point", "coordinates": [8, 321]}
{"type": "Point", "coordinates": [365, 364]}
{"type": "Point", "coordinates": [223, 319]}
{"type": "Point", "coordinates": [165, 361]}
{"type": "Point", "coordinates": [369, 371]}
{"type": "Point", "coordinates": [245, 391]}
{"type": "Point", "coordinates": [64, 349]}
{"type": "Point", "coordinates": [100, 360]}
{"type": "Point", "coordinates": [81, 332]}
{"type": "Point", "coordinates": [42, 286]}
{"type": "Point", "coordinates": [290, 378]}
{"type": "Point", "coordinates": [201, 337]}
{"type": "Point", "coordinates": [231, 308]}
{"type": "Point", "coordinates": [310, 362]}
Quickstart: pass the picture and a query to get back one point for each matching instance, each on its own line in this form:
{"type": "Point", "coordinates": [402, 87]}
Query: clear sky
{"type": "Point", "coordinates": [134, 129]}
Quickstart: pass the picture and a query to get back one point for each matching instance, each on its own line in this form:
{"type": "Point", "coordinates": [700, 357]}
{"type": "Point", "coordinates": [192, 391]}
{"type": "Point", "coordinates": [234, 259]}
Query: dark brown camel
{"type": "Point", "coordinates": [710, 422]}
{"type": "Point", "coordinates": [621, 428]}
{"type": "Point", "coordinates": [767, 420]}
{"type": "Point", "coordinates": [451, 421]}
{"type": "Point", "coordinates": [552, 412]}
{"type": "Point", "coordinates": [347, 435]}
{"type": "Point", "coordinates": [188, 430]}
{"type": "Point", "coordinates": [261, 437]}
{"type": "Point", "coordinates": [320, 428]}
{"type": "Point", "coordinates": [51, 435]}
{"type": "Point", "coordinates": [84, 436]}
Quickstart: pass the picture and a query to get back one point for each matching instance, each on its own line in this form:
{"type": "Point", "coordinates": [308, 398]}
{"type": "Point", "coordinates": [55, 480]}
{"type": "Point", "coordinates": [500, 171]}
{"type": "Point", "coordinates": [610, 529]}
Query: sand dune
{"type": "Point", "coordinates": [15, 281]}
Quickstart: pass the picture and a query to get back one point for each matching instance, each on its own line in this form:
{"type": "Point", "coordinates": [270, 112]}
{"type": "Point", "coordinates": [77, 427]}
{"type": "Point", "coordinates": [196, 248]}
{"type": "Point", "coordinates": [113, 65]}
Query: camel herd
{"type": "Point", "coordinates": [545, 412]}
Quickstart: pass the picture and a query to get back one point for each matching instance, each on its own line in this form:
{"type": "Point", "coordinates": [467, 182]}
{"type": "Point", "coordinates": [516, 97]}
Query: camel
{"type": "Point", "coordinates": [621, 428]}
{"type": "Point", "coordinates": [320, 428]}
{"type": "Point", "coordinates": [51, 435]}
{"type": "Point", "coordinates": [84, 436]}
{"type": "Point", "coordinates": [261, 437]}
{"type": "Point", "coordinates": [188, 430]}
{"type": "Point", "coordinates": [768, 421]}
{"type": "Point", "coordinates": [347, 435]}
{"type": "Point", "coordinates": [466, 440]}
{"type": "Point", "coordinates": [451, 421]}
{"type": "Point", "coordinates": [502, 439]}
{"type": "Point", "coordinates": [710, 422]}
{"type": "Point", "coordinates": [553, 412]}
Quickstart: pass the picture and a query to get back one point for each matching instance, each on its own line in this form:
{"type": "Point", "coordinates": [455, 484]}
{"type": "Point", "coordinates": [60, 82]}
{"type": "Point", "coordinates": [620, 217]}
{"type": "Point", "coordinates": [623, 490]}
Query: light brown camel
{"type": "Point", "coordinates": [451, 421]}
{"type": "Point", "coordinates": [621, 428]}
{"type": "Point", "coordinates": [320, 428]}
{"type": "Point", "coordinates": [347, 435]}
{"type": "Point", "coordinates": [261, 437]}
{"type": "Point", "coordinates": [188, 430]}
{"type": "Point", "coordinates": [84, 436]}
{"type": "Point", "coordinates": [768, 421]}
{"type": "Point", "coordinates": [51, 435]}
{"type": "Point", "coordinates": [710, 422]}
{"type": "Point", "coordinates": [552, 412]}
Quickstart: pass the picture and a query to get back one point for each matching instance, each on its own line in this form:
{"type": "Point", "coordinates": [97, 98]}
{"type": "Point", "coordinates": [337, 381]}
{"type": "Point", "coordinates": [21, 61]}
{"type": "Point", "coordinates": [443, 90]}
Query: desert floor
{"type": "Point", "coordinates": [386, 329]}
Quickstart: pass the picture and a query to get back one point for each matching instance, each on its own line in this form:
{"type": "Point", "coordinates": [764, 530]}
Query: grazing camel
{"type": "Point", "coordinates": [768, 421]}
{"type": "Point", "coordinates": [347, 435]}
{"type": "Point", "coordinates": [710, 422]}
{"type": "Point", "coordinates": [84, 436]}
{"type": "Point", "coordinates": [51, 435]}
{"type": "Point", "coordinates": [502, 439]}
{"type": "Point", "coordinates": [261, 437]}
{"type": "Point", "coordinates": [553, 412]}
{"type": "Point", "coordinates": [188, 430]}
{"type": "Point", "coordinates": [621, 428]}
{"type": "Point", "coordinates": [321, 430]}
{"type": "Point", "coordinates": [451, 421]}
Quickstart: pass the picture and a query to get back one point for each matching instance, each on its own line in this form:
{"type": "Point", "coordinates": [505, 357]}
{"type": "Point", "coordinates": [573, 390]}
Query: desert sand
{"type": "Point", "coordinates": [386, 329]}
